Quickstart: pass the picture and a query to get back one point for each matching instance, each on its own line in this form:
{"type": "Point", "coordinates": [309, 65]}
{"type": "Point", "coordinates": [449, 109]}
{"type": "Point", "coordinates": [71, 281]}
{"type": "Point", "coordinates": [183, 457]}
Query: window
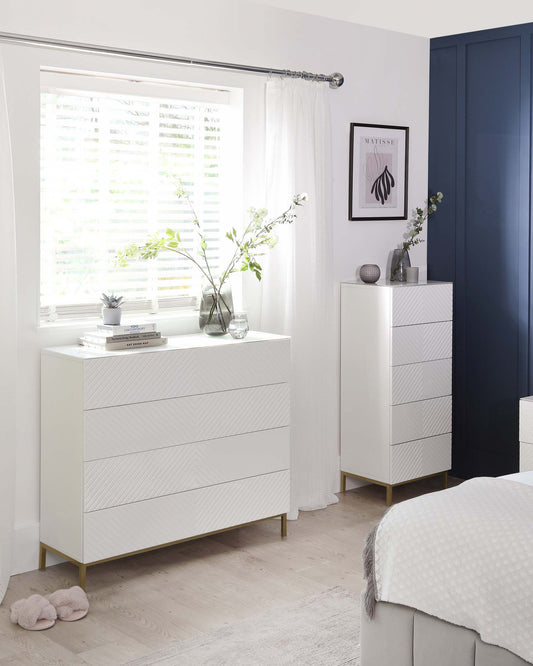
{"type": "Point", "coordinates": [112, 154]}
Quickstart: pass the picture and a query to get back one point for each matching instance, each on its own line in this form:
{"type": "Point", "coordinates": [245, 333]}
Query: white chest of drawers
{"type": "Point", "coordinates": [143, 448]}
{"type": "Point", "coordinates": [396, 373]}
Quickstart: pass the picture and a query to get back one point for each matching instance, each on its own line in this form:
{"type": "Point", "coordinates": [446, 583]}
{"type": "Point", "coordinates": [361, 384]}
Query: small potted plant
{"type": "Point", "coordinates": [111, 311]}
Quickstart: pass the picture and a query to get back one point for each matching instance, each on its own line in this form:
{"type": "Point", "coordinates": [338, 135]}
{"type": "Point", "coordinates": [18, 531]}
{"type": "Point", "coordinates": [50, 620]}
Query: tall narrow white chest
{"type": "Point", "coordinates": [143, 448]}
{"type": "Point", "coordinates": [396, 380]}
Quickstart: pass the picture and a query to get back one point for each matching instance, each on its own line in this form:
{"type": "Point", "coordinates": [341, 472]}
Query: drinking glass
{"type": "Point", "coordinates": [238, 326]}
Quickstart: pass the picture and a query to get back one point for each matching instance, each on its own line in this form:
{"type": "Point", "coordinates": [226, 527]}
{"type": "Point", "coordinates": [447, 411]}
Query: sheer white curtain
{"type": "Point", "coordinates": [8, 343]}
{"type": "Point", "coordinates": [298, 289]}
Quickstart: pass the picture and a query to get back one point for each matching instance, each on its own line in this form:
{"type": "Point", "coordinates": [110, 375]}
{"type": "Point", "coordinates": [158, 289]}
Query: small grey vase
{"type": "Point", "coordinates": [369, 273]}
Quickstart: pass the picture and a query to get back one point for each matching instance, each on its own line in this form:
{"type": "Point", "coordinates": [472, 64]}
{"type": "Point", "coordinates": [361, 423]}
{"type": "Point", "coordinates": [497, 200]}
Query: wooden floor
{"type": "Point", "coordinates": [146, 602]}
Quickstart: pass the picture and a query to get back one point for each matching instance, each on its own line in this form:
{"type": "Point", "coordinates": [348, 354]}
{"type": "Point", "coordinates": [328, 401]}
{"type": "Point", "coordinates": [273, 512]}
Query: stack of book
{"type": "Point", "coordinates": [130, 336]}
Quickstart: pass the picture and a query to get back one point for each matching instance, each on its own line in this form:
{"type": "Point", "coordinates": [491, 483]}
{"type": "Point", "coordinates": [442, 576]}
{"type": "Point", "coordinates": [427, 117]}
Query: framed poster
{"type": "Point", "coordinates": [379, 157]}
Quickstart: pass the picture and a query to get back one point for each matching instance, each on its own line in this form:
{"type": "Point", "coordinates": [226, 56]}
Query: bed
{"type": "Point", "coordinates": [448, 578]}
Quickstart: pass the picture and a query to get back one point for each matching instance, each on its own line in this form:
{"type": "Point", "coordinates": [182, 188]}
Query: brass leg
{"type": "Point", "coordinates": [389, 495]}
{"type": "Point", "coordinates": [82, 575]}
{"type": "Point", "coordinates": [445, 479]}
{"type": "Point", "coordinates": [283, 524]}
{"type": "Point", "coordinates": [42, 557]}
{"type": "Point", "coordinates": [343, 482]}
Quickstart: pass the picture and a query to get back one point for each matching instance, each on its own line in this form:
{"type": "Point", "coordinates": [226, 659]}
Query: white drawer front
{"type": "Point", "coordinates": [422, 342]}
{"type": "Point", "coordinates": [421, 304]}
{"type": "Point", "coordinates": [421, 381]}
{"type": "Point", "coordinates": [132, 527]}
{"type": "Point", "coordinates": [526, 457]}
{"type": "Point", "coordinates": [526, 421]}
{"type": "Point", "coordinates": [422, 457]}
{"type": "Point", "coordinates": [425, 418]}
{"type": "Point", "coordinates": [122, 380]}
{"type": "Point", "coordinates": [141, 476]}
{"type": "Point", "coordinates": [115, 431]}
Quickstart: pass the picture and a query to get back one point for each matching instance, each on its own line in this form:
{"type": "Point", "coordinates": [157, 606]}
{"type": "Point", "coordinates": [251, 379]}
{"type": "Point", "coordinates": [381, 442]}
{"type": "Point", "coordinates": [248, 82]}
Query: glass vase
{"type": "Point", "coordinates": [216, 310]}
{"type": "Point", "coordinates": [400, 261]}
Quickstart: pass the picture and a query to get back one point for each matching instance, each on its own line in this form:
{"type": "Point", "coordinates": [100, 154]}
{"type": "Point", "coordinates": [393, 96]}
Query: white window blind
{"type": "Point", "coordinates": [110, 166]}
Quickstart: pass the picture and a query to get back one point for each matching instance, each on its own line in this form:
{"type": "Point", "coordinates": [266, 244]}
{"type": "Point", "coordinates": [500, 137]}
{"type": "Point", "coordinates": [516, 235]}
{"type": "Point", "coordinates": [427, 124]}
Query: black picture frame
{"type": "Point", "coordinates": [379, 172]}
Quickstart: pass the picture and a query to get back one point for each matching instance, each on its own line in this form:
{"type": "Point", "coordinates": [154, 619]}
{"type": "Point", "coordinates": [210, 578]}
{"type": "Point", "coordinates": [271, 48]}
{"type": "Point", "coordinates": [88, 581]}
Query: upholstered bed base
{"type": "Point", "coordinates": [402, 636]}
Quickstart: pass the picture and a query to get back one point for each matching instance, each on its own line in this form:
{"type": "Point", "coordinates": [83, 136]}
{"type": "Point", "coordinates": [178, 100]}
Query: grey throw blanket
{"type": "Point", "coordinates": [369, 571]}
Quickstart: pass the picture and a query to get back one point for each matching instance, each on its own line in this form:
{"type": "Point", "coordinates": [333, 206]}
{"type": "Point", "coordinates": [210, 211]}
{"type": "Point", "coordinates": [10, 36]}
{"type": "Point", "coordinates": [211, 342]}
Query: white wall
{"type": "Point", "coordinates": [386, 82]}
{"type": "Point", "coordinates": [429, 18]}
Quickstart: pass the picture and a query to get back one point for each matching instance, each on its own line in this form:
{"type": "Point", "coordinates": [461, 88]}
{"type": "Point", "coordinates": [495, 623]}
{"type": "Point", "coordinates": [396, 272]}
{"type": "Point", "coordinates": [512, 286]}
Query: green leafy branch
{"type": "Point", "coordinates": [249, 245]}
{"type": "Point", "coordinates": [417, 223]}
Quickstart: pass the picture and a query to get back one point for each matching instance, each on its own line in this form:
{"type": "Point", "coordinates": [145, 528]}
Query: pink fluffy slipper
{"type": "Point", "coordinates": [70, 604]}
{"type": "Point", "coordinates": [34, 613]}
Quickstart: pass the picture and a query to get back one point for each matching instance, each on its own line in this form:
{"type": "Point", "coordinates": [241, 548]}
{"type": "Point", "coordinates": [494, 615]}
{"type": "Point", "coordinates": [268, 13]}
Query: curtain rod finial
{"type": "Point", "coordinates": [336, 80]}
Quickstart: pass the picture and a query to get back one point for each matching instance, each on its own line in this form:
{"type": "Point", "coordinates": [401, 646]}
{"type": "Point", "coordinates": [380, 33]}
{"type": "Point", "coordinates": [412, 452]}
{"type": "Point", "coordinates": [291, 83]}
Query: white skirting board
{"type": "Point", "coordinates": [352, 483]}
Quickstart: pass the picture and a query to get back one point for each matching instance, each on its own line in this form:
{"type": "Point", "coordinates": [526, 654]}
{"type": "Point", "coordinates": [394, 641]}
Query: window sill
{"type": "Point", "coordinates": [67, 332]}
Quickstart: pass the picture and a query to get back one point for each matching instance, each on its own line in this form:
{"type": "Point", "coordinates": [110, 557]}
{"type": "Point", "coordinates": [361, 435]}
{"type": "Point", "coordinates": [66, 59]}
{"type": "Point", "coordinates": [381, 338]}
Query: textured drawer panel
{"type": "Point", "coordinates": [526, 421]}
{"type": "Point", "coordinates": [422, 342]}
{"type": "Point", "coordinates": [526, 457]}
{"type": "Point", "coordinates": [416, 420]}
{"type": "Point", "coordinates": [122, 380]}
{"type": "Point", "coordinates": [114, 431]}
{"type": "Point", "coordinates": [421, 304]}
{"type": "Point", "coordinates": [132, 527]}
{"type": "Point", "coordinates": [412, 460]}
{"type": "Point", "coordinates": [421, 381]}
{"type": "Point", "coordinates": [141, 476]}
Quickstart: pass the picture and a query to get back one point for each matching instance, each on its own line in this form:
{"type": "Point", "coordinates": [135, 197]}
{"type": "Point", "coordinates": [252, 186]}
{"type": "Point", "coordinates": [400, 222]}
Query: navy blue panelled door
{"type": "Point", "coordinates": [480, 107]}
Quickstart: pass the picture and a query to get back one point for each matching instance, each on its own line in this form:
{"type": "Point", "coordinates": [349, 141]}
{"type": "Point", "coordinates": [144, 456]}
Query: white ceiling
{"type": "Point", "coordinates": [427, 18]}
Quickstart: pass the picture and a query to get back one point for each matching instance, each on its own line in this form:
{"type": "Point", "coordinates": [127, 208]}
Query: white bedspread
{"type": "Point", "coordinates": [464, 555]}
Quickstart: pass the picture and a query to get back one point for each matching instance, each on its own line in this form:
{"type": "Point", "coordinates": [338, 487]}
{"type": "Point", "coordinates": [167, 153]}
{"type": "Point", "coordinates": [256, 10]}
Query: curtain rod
{"type": "Point", "coordinates": [335, 80]}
